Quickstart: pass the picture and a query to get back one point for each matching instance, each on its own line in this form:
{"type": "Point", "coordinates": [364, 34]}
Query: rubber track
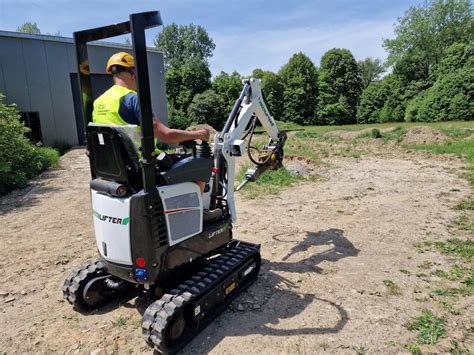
{"type": "Point", "coordinates": [157, 315]}
{"type": "Point", "coordinates": [73, 281]}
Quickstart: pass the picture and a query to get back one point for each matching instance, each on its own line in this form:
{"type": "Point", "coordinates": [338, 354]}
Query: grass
{"type": "Point", "coordinates": [457, 247]}
{"type": "Point", "coordinates": [450, 308]}
{"type": "Point", "coordinates": [467, 204]}
{"type": "Point", "coordinates": [461, 148]}
{"type": "Point", "coordinates": [360, 350]}
{"type": "Point", "coordinates": [448, 126]}
{"type": "Point", "coordinates": [49, 156]}
{"type": "Point", "coordinates": [392, 288]}
{"type": "Point", "coordinates": [457, 273]}
{"type": "Point", "coordinates": [120, 322]}
{"type": "Point", "coordinates": [414, 349]}
{"type": "Point", "coordinates": [426, 265]}
{"type": "Point", "coordinates": [300, 148]}
{"type": "Point", "coordinates": [458, 350]}
{"type": "Point", "coordinates": [464, 223]}
{"type": "Point", "coordinates": [456, 132]}
{"type": "Point", "coordinates": [397, 134]}
{"type": "Point", "coordinates": [429, 327]}
{"type": "Point", "coordinates": [454, 291]}
{"type": "Point", "coordinates": [324, 346]}
{"type": "Point", "coordinates": [270, 183]}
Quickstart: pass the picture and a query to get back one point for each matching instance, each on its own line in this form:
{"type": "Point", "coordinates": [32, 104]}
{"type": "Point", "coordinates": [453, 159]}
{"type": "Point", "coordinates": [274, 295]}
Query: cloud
{"type": "Point", "coordinates": [270, 49]}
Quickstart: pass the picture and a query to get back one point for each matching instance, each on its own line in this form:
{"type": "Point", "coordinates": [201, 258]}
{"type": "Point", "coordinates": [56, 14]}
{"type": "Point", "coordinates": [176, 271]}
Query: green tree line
{"type": "Point", "coordinates": [429, 76]}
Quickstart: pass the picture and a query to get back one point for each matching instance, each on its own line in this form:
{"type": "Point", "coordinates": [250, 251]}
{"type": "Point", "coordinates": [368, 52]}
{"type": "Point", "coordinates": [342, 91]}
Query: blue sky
{"type": "Point", "coordinates": [248, 34]}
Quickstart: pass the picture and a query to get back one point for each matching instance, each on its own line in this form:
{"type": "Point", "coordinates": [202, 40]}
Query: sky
{"type": "Point", "coordinates": [248, 34]}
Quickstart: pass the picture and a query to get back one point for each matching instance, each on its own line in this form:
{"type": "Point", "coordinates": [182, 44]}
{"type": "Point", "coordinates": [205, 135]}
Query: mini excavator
{"type": "Point", "coordinates": [151, 220]}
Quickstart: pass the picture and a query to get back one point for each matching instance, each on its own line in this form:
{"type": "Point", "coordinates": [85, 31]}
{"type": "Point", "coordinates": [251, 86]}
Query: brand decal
{"type": "Point", "coordinates": [216, 232]}
{"type": "Point", "coordinates": [110, 219]}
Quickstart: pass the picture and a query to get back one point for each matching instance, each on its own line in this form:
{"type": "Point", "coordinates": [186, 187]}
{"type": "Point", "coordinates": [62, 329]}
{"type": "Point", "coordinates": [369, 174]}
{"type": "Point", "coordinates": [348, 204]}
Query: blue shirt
{"type": "Point", "coordinates": [129, 109]}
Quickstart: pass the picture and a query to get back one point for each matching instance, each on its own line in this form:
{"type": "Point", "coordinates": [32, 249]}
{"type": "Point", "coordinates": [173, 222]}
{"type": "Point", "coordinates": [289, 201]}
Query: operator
{"type": "Point", "coordinates": [119, 105]}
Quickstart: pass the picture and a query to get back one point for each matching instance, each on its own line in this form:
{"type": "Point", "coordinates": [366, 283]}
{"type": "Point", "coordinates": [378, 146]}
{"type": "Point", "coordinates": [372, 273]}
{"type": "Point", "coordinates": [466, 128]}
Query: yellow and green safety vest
{"type": "Point", "coordinates": [106, 109]}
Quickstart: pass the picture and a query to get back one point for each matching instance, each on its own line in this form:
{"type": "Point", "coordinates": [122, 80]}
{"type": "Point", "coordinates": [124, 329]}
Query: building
{"type": "Point", "coordinates": [39, 74]}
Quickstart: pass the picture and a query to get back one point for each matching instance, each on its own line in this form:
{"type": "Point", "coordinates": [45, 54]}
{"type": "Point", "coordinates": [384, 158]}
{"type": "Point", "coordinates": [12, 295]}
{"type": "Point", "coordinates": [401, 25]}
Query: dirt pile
{"type": "Point", "coordinates": [355, 134]}
{"type": "Point", "coordinates": [423, 135]}
{"type": "Point", "coordinates": [211, 129]}
{"type": "Point", "coordinates": [298, 169]}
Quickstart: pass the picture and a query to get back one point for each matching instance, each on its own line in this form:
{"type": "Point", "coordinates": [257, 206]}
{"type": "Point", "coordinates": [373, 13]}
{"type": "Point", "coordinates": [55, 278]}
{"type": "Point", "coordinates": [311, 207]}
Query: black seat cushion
{"type": "Point", "coordinates": [188, 169]}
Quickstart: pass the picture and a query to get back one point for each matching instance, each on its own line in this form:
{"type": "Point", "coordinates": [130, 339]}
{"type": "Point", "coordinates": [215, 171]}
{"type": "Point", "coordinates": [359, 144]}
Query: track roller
{"type": "Point", "coordinates": [172, 321]}
{"type": "Point", "coordinates": [90, 286]}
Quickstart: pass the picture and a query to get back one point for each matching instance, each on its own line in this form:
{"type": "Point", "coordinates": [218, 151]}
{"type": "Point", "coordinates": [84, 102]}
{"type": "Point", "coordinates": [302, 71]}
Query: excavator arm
{"type": "Point", "coordinates": [230, 143]}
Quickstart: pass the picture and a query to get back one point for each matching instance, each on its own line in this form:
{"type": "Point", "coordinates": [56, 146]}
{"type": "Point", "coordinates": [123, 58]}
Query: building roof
{"type": "Point", "coordinates": [42, 37]}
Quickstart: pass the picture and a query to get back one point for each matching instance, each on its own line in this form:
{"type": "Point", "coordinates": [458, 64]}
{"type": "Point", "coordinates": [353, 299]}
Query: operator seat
{"type": "Point", "coordinates": [114, 157]}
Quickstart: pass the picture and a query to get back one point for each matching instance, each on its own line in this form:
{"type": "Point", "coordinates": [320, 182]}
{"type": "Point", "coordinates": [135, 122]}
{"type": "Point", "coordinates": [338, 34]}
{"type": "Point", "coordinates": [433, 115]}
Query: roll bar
{"type": "Point", "coordinates": [137, 25]}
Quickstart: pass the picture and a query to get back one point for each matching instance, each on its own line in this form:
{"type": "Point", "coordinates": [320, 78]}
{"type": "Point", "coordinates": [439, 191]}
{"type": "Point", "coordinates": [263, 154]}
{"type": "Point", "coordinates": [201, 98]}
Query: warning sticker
{"type": "Point", "coordinates": [230, 288]}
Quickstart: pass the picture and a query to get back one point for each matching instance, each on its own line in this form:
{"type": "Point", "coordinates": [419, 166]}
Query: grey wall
{"type": "Point", "coordinates": [35, 75]}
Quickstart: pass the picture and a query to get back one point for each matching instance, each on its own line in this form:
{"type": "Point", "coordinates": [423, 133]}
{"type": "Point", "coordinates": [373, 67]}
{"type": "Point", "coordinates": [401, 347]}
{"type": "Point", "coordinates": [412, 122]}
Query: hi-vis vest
{"type": "Point", "coordinates": [106, 109]}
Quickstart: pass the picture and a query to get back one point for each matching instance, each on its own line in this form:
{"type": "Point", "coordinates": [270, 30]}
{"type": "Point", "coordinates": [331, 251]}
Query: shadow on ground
{"type": "Point", "coordinates": [286, 300]}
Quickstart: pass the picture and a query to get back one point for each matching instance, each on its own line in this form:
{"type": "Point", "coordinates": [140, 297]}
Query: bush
{"type": "Point", "coordinates": [450, 98]}
{"type": "Point", "coordinates": [177, 118]}
{"type": "Point", "coordinates": [371, 102]}
{"type": "Point", "coordinates": [209, 108]}
{"type": "Point", "coordinates": [19, 159]}
{"type": "Point", "coordinates": [375, 133]}
{"type": "Point", "coordinates": [228, 86]}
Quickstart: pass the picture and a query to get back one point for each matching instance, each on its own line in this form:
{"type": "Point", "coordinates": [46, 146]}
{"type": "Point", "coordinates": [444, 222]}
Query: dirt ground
{"type": "Point", "coordinates": [327, 248]}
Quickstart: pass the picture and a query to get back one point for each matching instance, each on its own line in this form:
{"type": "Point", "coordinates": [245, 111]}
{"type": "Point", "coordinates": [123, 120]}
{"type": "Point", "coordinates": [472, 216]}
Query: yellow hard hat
{"type": "Point", "coordinates": [122, 59]}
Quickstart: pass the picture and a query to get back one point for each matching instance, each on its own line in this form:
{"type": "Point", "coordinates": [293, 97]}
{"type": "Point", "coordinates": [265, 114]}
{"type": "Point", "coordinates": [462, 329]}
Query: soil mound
{"type": "Point", "coordinates": [423, 135]}
{"type": "Point", "coordinates": [355, 134]}
{"type": "Point", "coordinates": [202, 126]}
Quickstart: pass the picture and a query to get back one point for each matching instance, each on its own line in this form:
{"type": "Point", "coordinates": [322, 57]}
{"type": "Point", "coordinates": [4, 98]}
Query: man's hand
{"type": "Point", "coordinates": [202, 134]}
{"type": "Point", "coordinates": [173, 136]}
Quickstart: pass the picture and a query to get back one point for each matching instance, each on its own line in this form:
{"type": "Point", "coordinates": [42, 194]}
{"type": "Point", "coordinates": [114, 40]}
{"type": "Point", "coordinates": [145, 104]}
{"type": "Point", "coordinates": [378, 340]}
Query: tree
{"type": "Point", "coordinates": [411, 68]}
{"type": "Point", "coordinates": [450, 98]}
{"type": "Point", "coordinates": [393, 109]}
{"type": "Point", "coordinates": [455, 57]}
{"type": "Point", "coordinates": [258, 73]}
{"type": "Point", "coordinates": [340, 86]}
{"type": "Point", "coordinates": [372, 101]}
{"type": "Point", "coordinates": [300, 89]}
{"type": "Point", "coordinates": [424, 32]}
{"type": "Point", "coordinates": [29, 27]}
{"type": "Point", "coordinates": [185, 81]}
{"type": "Point", "coordinates": [177, 118]}
{"type": "Point", "coordinates": [210, 108]}
{"type": "Point", "coordinates": [273, 88]}
{"type": "Point", "coordinates": [370, 69]}
{"type": "Point", "coordinates": [228, 86]}
{"type": "Point", "coordinates": [183, 42]}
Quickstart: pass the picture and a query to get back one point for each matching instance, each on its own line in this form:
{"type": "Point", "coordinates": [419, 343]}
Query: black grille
{"type": "Point", "coordinates": [158, 225]}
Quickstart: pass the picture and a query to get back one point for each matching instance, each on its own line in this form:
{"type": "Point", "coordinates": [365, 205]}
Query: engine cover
{"type": "Point", "coordinates": [183, 210]}
{"type": "Point", "coordinates": [112, 227]}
